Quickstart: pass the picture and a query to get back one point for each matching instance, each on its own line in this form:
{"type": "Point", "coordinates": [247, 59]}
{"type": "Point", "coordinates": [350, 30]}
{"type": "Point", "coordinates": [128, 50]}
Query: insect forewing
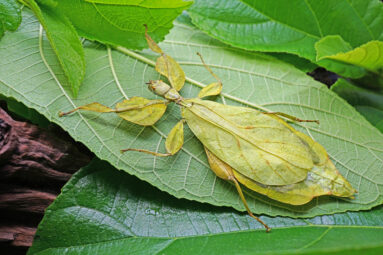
{"type": "Point", "coordinates": [258, 146]}
{"type": "Point", "coordinates": [321, 180]}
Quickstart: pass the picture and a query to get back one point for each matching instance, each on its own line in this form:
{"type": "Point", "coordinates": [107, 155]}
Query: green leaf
{"type": "Point", "coordinates": [249, 79]}
{"type": "Point", "coordinates": [10, 16]}
{"type": "Point", "coordinates": [369, 55]}
{"type": "Point", "coordinates": [104, 211]}
{"type": "Point", "coordinates": [65, 42]}
{"type": "Point", "coordinates": [292, 26]}
{"type": "Point", "coordinates": [120, 22]}
{"type": "Point", "coordinates": [331, 45]}
{"type": "Point", "coordinates": [300, 63]}
{"type": "Point", "coordinates": [373, 115]}
{"type": "Point", "coordinates": [26, 113]}
{"type": "Point", "coordinates": [368, 103]}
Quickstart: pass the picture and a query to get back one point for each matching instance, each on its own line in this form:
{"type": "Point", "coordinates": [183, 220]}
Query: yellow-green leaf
{"type": "Point", "coordinates": [368, 55]}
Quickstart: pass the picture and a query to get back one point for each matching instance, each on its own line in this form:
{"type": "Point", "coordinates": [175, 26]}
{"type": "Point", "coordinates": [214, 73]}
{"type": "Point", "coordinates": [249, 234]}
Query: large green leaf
{"type": "Point", "coordinates": [249, 79]}
{"type": "Point", "coordinates": [121, 22]}
{"type": "Point", "coordinates": [103, 211]}
{"type": "Point", "coordinates": [292, 26]}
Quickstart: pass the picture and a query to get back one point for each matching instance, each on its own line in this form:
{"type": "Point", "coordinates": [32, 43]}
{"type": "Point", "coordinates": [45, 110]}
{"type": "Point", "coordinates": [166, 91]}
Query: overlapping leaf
{"type": "Point", "coordinates": [103, 211]}
{"type": "Point", "coordinates": [10, 16]}
{"type": "Point", "coordinates": [64, 40]}
{"type": "Point", "coordinates": [121, 22]}
{"type": "Point", "coordinates": [292, 26]}
{"type": "Point", "coordinates": [253, 80]}
{"type": "Point", "coordinates": [369, 55]}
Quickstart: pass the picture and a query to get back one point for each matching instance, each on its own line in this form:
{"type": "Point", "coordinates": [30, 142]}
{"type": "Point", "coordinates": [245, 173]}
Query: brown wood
{"type": "Point", "coordinates": [34, 164]}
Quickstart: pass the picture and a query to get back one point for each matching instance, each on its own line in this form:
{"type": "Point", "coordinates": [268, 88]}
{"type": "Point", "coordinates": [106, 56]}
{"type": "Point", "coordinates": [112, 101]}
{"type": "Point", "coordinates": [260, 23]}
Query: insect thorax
{"type": "Point", "coordinates": [164, 90]}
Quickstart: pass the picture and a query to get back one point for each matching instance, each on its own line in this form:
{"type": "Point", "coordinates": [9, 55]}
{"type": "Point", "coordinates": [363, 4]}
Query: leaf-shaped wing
{"type": "Point", "coordinates": [321, 180]}
{"type": "Point", "coordinates": [261, 147]}
{"type": "Point", "coordinates": [141, 111]}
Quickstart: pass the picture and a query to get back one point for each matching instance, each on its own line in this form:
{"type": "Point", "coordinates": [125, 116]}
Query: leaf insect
{"type": "Point", "coordinates": [245, 146]}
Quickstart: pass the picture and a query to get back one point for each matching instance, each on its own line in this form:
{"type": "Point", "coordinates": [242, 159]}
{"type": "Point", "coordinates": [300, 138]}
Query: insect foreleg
{"type": "Point", "coordinates": [173, 142]}
{"type": "Point", "coordinates": [166, 65]}
{"type": "Point", "coordinates": [95, 107]}
{"type": "Point", "coordinates": [293, 118]}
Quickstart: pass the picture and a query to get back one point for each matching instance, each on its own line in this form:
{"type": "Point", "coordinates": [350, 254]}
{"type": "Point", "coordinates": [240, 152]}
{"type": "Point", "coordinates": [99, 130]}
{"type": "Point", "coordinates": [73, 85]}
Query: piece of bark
{"type": "Point", "coordinates": [34, 164]}
{"type": "Point", "coordinates": [23, 199]}
{"type": "Point", "coordinates": [30, 154]}
{"type": "Point", "coordinates": [17, 235]}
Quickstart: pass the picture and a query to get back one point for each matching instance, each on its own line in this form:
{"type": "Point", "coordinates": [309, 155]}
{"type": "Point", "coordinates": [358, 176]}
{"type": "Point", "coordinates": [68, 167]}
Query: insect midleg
{"type": "Point", "coordinates": [173, 142]}
{"type": "Point", "coordinates": [148, 152]}
{"type": "Point", "coordinates": [290, 117]}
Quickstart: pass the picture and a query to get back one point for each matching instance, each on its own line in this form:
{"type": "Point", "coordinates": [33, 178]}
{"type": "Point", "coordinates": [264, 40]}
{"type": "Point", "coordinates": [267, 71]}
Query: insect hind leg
{"type": "Point", "coordinates": [224, 171]}
{"type": "Point", "coordinates": [290, 117]}
{"type": "Point", "coordinates": [240, 193]}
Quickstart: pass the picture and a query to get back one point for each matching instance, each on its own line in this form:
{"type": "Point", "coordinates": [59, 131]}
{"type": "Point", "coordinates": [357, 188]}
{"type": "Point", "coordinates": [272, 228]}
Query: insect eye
{"type": "Point", "coordinates": [151, 85]}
